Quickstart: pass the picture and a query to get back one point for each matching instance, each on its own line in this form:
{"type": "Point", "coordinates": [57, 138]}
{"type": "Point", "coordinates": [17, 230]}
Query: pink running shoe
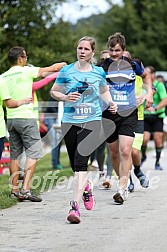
{"type": "Point", "coordinates": [74, 213]}
{"type": "Point", "coordinates": [88, 198]}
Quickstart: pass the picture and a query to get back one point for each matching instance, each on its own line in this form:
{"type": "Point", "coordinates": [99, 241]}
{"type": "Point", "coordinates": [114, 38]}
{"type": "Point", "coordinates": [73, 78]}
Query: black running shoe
{"type": "Point", "coordinates": [158, 167]}
{"type": "Point", "coordinates": [144, 182]}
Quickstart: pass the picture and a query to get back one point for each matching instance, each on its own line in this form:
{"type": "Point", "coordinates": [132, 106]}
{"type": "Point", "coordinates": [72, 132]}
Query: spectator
{"type": "Point", "coordinates": [5, 96]}
{"type": "Point", "coordinates": [21, 122]}
{"type": "Point", "coordinates": [153, 119]}
{"type": "Point", "coordinates": [50, 119]}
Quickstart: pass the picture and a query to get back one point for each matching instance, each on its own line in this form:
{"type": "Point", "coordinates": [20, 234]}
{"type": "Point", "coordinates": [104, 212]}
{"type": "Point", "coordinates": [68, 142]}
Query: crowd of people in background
{"type": "Point", "coordinates": [112, 109]}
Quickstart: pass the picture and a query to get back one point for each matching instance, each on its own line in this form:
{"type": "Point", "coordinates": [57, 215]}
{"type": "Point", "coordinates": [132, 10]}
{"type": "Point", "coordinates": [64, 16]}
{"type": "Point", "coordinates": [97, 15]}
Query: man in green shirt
{"type": "Point", "coordinates": [21, 122]}
{"type": "Point", "coordinates": [6, 98]}
{"type": "Point", "coordinates": [153, 119]}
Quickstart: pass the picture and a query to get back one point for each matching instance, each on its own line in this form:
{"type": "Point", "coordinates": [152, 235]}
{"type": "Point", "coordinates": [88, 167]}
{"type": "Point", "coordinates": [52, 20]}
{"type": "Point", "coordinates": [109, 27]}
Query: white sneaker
{"type": "Point", "coordinates": [121, 196]}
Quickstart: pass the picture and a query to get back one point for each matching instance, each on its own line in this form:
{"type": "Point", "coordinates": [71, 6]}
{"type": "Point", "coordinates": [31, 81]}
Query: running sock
{"type": "Point", "coordinates": [143, 150]}
{"type": "Point", "coordinates": [131, 181]}
{"type": "Point", "coordinates": [158, 155]}
{"type": "Point", "coordinates": [136, 168]}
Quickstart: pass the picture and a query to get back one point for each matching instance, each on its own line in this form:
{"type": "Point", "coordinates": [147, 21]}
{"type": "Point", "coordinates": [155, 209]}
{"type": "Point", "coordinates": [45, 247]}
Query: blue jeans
{"type": "Point", "coordinates": [54, 138]}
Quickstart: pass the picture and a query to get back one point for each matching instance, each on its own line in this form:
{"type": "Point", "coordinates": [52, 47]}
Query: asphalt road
{"type": "Point", "coordinates": [139, 225]}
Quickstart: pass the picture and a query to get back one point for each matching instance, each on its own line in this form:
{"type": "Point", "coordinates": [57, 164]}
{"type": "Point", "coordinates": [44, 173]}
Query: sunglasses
{"type": "Point", "coordinates": [23, 56]}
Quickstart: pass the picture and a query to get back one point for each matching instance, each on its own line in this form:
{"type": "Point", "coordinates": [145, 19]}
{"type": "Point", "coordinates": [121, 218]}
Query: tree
{"type": "Point", "coordinates": [24, 23]}
{"type": "Point", "coordinates": [153, 31]}
{"type": "Point", "coordinates": [144, 25]}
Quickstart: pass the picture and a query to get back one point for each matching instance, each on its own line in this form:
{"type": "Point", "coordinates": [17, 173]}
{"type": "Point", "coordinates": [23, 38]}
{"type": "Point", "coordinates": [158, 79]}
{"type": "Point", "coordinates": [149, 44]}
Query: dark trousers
{"type": "Point", "coordinates": [81, 140]}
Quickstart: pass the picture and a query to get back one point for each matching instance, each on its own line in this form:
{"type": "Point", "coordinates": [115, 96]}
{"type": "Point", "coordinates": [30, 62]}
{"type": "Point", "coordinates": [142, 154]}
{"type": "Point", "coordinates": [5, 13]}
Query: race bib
{"type": "Point", "coordinates": [83, 110]}
{"type": "Point", "coordinates": [120, 97]}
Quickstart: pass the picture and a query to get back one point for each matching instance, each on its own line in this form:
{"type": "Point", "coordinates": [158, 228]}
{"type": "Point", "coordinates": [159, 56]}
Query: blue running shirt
{"type": "Point", "coordinates": [121, 77]}
{"type": "Point", "coordinates": [87, 84]}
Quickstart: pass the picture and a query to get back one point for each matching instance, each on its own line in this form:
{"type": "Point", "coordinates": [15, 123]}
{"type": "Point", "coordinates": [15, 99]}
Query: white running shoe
{"type": "Point", "coordinates": [121, 196]}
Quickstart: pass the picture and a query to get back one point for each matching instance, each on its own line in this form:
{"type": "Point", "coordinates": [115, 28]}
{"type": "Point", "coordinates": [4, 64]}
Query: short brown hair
{"type": "Point", "coordinates": [14, 53]}
{"type": "Point", "coordinates": [116, 38]}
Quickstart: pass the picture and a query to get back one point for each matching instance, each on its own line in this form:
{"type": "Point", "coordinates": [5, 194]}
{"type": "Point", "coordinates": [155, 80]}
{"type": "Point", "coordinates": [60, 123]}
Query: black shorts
{"type": "Point", "coordinates": [152, 123]}
{"type": "Point", "coordinates": [123, 125]}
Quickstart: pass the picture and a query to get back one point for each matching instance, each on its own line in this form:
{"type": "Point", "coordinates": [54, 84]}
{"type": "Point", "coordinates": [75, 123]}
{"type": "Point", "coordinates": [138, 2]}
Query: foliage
{"type": "Point", "coordinates": [24, 23]}
{"type": "Point", "coordinates": [143, 24]}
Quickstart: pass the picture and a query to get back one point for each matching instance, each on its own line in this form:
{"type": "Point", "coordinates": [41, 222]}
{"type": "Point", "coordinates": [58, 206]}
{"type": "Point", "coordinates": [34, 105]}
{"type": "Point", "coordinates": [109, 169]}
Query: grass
{"type": "Point", "coordinates": [43, 169]}
{"type": "Point", "coordinates": [40, 180]}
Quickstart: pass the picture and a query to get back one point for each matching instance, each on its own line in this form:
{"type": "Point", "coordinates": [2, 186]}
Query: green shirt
{"type": "Point", "coordinates": [19, 80]}
{"type": "Point", "coordinates": [4, 95]}
{"type": "Point", "coordinates": [158, 96]}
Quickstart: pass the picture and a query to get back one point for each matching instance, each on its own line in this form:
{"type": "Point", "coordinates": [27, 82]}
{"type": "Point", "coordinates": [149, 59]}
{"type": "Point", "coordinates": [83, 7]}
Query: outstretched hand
{"type": "Point", "coordinates": [58, 66]}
